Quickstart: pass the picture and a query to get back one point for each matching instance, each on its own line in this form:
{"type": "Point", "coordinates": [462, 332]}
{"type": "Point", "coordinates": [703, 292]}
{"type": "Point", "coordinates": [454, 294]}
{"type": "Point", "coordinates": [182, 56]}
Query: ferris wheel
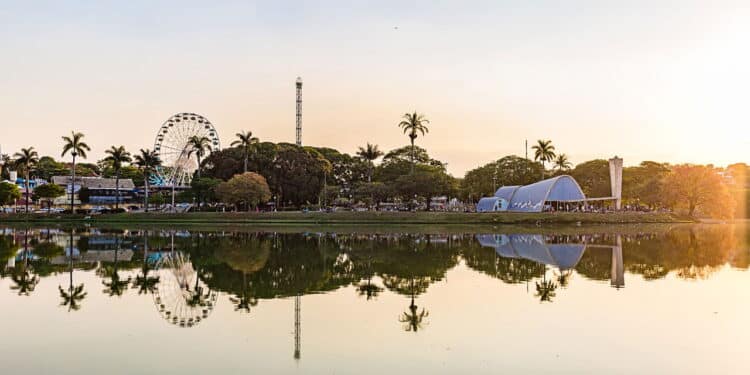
{"type": "Point", "coordinates": [181, 298]}
{"type": "Point", "coordinates": [171, 144]}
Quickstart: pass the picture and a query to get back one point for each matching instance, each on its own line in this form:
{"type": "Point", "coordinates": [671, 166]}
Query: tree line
{"type": "Point", "coordinates": [252, 172]}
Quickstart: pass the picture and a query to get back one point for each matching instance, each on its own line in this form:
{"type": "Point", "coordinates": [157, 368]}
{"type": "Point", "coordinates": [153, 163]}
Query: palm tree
{"type": "Point", "coordinates": [562, 163]}
{"type": "Point", "coordinates": [147, 161]}
{"type": "Point", "coordinates": [544, 151]}
{"type": "Point", "coordinates": [198, 146]}
{"type": "Point", "coordinates": [412, 124]}
{"type": "Point", "coordinates": [75, 145]}
{"type": "Point", "coordinates": [116, 156]}
{"type": "Point", "coordinates": [370, 153]}
{"type": "Point", "coordinates": [26, 160]}
{"type": "Point", "coordinates": [247, 142]}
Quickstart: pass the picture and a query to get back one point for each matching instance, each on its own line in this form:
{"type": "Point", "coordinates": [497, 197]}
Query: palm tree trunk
{"type": "Point", "coordinates": [199, 167]}
{"type": "Point", "coordinates": [73, 186]}
{"type": "Point", "coordinates": [246, 157]}
{"type": "Point", "coordinates": [117, 190]}
{"type": "Point", "coordinates": [27, 190]}
{"type": "Point", "coordinates": [145, 203]}
{"type": "Point", "coordinates": [412, 155]}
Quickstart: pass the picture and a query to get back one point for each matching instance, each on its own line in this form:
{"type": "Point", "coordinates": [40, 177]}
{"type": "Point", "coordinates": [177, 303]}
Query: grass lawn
{"type": "Point", "coordinates": [390, 218]}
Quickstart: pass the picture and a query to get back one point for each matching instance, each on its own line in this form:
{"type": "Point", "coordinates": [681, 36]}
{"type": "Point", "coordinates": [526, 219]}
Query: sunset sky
{"type": "Point", "coordinates": [645, 80]}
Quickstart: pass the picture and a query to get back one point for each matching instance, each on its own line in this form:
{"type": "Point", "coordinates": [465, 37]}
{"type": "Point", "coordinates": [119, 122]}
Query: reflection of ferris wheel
{"type": "Point", "coordinates": [181, 297]}
{"type": "Point", "coordinates": [178, 163]}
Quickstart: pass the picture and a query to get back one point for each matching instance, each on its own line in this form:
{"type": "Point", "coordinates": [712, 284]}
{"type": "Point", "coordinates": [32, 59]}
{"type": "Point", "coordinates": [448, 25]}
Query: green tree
{"type": "Point", "coordinates": [47, 167]}
{"type": "Point", "coordinates": [116, 157]}
{"type": "Point", "coordinates": [544, 152]}
{"type": "Point", "coordinates": [48, 192]}
{"type": "Point", "coordinates": [248, 189]}
{"type": "Point", "coordinates": [507, 171]}
{"type": "Point", "coordinates": [641, 184]}
{"type": "Point", "coordinates": [427, 183]}
{"type": "Point", "coordinates": [204, 189]}
{"type": "Point", "coordinates": [76, 147]}
{"type": "Point", "coordinates": [698, 187]}
{"type": "Point", "coordinates": [370, 153]}
{"type": "Point", "coordinates": [593, 177]}
{"type": "Point", "coordinates": [26, 160]}
{"type": "Point", "coordinates": [147, 161]}
{"type": "Point", "coordinates": [562, 163]}
{"type": "Point", "coordinates": [414, 124]}
{"type": "Point", "coordinates": [199, 146]}
{"type": "Point", "coordinates": [346, 171]}
{"type": "Point", "coordinates": [247, 142]}
{"type": "Point", "coordinates": [9, 193]}
{"type": "Point", "coordinates": [298, 174]}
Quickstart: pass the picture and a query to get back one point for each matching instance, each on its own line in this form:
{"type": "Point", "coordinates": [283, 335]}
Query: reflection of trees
{"type": "Point", "coordinates": [146, 284]}
{"type": "Point", "coordinates": [509, 270]}
{"type": "Point", "coordinates": [413, 319]}
{"type": "Point", "coordinates": [25, 281]}
{"type": "Point", "coordinates": [545, 290]}
{"type": "Point", "coordinates": [23, 277]}
{"type": "Point", "coordinates": [368, 289]}
{"type": "Point", "coordinates": [115, 286]}
{"type": "Point", "coordinates": [74, 295]}
{"type": "Point", "coordinates": [246, 253]}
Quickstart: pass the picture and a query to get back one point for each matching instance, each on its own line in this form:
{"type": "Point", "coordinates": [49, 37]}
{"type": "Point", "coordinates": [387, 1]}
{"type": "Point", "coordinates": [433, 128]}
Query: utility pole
{"type": "Point", "coordinates": [527, 149]}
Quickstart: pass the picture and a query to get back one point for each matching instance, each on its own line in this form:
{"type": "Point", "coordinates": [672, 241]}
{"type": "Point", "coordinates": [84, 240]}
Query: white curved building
{"type": "Point", "coordinates": [532, 198]}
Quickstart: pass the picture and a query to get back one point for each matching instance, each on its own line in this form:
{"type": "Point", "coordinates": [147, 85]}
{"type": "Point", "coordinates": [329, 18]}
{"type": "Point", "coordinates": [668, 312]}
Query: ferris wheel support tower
{"type": "Point", "coordinates": [299, 111]}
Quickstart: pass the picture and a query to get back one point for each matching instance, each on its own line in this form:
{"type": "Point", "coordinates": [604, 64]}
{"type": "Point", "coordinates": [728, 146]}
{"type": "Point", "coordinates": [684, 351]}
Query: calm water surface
{"type": "Point", "coordinates": [665, 299]}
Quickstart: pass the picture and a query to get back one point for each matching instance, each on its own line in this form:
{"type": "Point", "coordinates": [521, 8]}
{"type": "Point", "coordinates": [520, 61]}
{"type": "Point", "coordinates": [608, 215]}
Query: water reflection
{"type": "Point", "coordinates": [187, 273]}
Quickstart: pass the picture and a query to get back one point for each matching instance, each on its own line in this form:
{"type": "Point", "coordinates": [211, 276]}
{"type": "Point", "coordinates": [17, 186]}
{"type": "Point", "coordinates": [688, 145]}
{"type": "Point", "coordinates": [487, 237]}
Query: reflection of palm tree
{"type": "Point", "coordinates": [564, 277]}
{"type": "Point", "coordinates": [546, 290]}
{"type": "Point", "coordinates": [115, 286]}
{"type": "Point", "coordinates": [146, 284]}
{"type": "Point", "coordinates": [413, 318]}
{"type": "Point", "coordinates": [368, 289]}
{"type": "Point", "coordinates": [74, 295]}
{"type": "Point", "coordinates": [246, 300]}
{"type": "Point", "coordinates": [25, 280]}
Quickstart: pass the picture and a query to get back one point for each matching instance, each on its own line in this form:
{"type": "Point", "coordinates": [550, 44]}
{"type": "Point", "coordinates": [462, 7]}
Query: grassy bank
{"type": "Point", "coordinates": [385, 218]}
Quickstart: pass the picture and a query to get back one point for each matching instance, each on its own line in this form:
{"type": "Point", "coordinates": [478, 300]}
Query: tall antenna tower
{"type": "Point", "coordinates": [299, 111]}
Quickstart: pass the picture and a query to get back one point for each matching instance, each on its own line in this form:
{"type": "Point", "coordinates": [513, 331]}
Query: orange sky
{"type": "Point", "coordinates": [644, 80]}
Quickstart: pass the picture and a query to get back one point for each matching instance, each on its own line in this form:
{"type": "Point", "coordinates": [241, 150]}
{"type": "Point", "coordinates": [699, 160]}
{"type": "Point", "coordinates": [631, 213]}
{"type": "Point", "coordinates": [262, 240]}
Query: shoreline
{"type": "Point", "coordinates": [356, 218]}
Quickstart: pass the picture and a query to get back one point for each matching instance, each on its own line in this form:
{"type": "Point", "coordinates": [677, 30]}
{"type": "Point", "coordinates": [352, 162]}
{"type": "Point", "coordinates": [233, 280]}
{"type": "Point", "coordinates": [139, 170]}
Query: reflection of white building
{"type": "Point", "coordinates": [564, 256]}
{"type": "Point", "coordinates": [104, 256]}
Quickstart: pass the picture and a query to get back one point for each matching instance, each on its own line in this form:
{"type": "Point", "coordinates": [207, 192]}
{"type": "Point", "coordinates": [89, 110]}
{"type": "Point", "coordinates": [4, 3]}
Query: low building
{"type": "Point", "coordinates": [99, 190]}
{"type": "Point", "coordinates": [536, 197]}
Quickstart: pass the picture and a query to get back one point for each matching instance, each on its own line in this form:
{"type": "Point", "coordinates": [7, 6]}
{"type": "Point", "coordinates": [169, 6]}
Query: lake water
{"type": "Point", "coordinates": [629, 299]}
